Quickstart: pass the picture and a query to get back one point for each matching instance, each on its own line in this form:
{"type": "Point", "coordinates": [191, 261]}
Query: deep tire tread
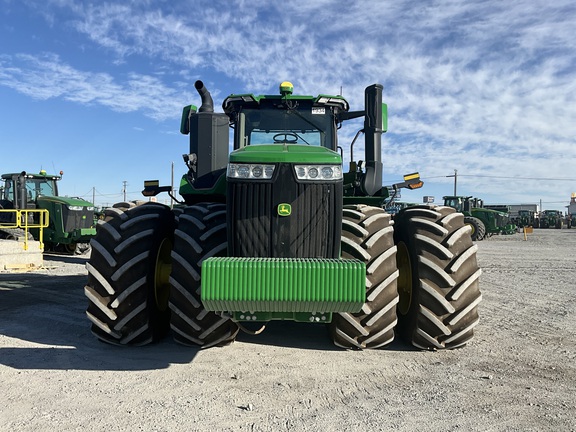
{"type": "Point", "coordinates": [201, 234]}
{"type": "Point", "coordinates": [367, 235]}
{"type": "Point", "coordinates": [445, 274]}
{"type": "Point", "coordinates": [120, 288]}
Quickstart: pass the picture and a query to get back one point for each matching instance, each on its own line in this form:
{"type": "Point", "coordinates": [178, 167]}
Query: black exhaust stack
{"type": "Point", "coordinates": [372, 181]}
{"type": "Point", "coordinates": [207, 102]}
{"type": "Point", "coordinates": [21, 198]}
{"type": "Point", "coordinates": [208, 139]}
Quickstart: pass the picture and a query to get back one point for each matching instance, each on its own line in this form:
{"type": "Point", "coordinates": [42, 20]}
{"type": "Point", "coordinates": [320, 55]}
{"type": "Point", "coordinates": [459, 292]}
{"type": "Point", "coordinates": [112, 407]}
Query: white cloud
{"type": "Point", "coordinates": [47, 76]}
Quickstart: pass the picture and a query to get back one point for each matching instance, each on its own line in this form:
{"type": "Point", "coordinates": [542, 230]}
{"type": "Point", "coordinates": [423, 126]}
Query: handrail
{"type": "Point", "coordinates": [22, 221]}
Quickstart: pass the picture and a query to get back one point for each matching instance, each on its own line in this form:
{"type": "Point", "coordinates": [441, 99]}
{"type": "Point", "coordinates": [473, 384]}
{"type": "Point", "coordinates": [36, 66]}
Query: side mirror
{"type": "Point", "coordinates": [187, 111]}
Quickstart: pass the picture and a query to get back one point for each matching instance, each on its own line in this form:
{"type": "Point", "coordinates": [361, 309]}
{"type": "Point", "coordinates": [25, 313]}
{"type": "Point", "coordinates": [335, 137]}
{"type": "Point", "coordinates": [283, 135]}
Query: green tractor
{"type": "Point", "coordinates": [526, 218]}
{"type": "Point", "coordinates": [275, 230]}
{"type": "Point", "coordinates": [71, 220]}
{"type": "Point", "coordinates": [551, 219]}
{"type": "Point", "coordinates": [483, 222]}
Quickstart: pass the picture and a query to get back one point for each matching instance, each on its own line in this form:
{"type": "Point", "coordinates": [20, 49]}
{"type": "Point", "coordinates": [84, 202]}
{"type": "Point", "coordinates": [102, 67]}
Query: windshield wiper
{"type": "Point", "coordinates": [292, 109]}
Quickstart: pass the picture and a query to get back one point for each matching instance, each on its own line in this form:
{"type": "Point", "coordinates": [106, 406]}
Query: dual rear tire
{"type": "Point", "coordinates": [422, 279]}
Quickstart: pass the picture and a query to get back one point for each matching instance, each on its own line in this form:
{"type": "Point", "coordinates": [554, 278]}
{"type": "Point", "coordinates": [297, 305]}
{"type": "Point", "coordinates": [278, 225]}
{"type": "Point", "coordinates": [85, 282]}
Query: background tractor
{"type": "Point", "coordinates": [484, 222]}
{"type": "Point", "coordinates": [526, 218]}
{"type": "Point", "coordinates": [275, 230]}
{"type": "Point", "coordinates": [551, 219]}
{"type": "Point", "coordinates": [71, 220]}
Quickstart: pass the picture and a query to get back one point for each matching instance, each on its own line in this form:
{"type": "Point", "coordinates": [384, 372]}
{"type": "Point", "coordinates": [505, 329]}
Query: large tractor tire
{"type": "Point", "coordinates": [128, 274]}
{"type": "Point", "coordinates": [478, 229]}
{"type": "Point", "coordinates": [367, 235]}
{"type": "Point", "coordinates": [558, 224]}
{"type": "Point", "coordinates": [439, 278]}
{"type": "Point", "coordinates": [201, 234]}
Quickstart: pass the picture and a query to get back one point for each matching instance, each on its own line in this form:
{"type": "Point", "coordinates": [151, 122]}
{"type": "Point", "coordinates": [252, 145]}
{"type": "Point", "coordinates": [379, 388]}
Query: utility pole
{"type": "Point", "coordinates": [124, 183]}
{"type": "Point", "coordinates": [455, 180]}
{"type": "Point", "coordinates": [93, 195]}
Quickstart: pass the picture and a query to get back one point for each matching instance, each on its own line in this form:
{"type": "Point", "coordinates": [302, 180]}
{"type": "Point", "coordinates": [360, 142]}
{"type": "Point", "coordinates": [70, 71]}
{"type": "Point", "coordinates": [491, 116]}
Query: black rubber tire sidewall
{"type": "Point", "coordinates": [201, 233]}
{"type": "Point", "coordinates": [443, 225]}
{"type": "Point", "coordinates": [125, 228]}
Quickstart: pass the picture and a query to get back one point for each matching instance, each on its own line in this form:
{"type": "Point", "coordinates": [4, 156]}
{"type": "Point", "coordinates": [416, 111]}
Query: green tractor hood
{"type": "Point", "coordinates": [282, 153]}
{"type": "Point", "coordinates": [71, 220]}
{"type": "Point", "coordinates": [68, 201]}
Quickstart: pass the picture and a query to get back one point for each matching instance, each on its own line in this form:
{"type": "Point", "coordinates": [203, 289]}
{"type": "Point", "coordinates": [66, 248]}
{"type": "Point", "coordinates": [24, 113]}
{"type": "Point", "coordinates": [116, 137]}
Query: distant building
{"type": "Point", "coordinates": [514, 208]}
{"type": "Point", "coordinates": [572, 206]}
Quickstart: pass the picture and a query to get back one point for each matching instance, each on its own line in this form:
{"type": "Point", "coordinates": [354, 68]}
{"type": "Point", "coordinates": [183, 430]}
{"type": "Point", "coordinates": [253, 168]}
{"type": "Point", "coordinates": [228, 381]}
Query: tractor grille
{"type": "Point", "coordinates": [311, 231]}
{"type": "Point", "coordinates": [75, 219]}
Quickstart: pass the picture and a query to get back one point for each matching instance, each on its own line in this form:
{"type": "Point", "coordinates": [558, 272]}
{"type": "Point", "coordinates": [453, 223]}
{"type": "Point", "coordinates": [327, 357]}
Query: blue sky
{"type": "Point", "coordinates": [487, 88]}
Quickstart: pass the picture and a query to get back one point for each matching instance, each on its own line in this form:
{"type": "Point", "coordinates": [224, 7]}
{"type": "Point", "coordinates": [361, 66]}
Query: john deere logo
{"type": "Point", "coordinates": [284, 209]}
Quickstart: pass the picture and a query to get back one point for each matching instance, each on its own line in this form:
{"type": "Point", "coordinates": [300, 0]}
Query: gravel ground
{"type": "Point", "coordinates": [517, 374]}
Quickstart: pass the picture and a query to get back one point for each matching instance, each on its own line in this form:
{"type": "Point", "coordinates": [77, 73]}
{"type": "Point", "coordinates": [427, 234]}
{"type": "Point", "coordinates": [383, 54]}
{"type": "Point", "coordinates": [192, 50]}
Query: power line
{"type": "Point", "coordinates": [503, 177]}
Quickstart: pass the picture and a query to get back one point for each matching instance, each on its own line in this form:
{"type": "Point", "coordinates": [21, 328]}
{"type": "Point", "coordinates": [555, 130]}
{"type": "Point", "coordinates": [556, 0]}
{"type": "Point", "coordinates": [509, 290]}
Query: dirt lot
{"type": "Point", "coordinates": [518, 373]}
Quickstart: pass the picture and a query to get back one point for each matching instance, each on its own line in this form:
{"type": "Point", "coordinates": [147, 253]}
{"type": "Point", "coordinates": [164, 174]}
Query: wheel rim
{"type": "Point", "coordinates": [162, 275]}
{"type": "Point", "coordinates": [404, 278]}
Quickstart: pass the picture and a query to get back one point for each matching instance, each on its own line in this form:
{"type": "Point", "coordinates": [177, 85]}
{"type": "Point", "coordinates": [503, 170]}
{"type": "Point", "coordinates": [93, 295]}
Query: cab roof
{"type": "Point", "coordinates": [236, 101]}
{"type": "Point", "coordinates": [40, 175]}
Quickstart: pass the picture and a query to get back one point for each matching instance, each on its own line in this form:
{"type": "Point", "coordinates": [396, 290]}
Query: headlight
{"type": "Point", "coordinates": [74, 208]}
{"type": "Point", "coordinates": [318, 172]}
{"type": "Point", "coordinates": [250, 171]}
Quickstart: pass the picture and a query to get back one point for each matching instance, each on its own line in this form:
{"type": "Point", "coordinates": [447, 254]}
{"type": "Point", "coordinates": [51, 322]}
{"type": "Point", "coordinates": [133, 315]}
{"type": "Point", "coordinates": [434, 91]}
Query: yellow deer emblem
{"type": "Point", "coordinates": [284, 209]}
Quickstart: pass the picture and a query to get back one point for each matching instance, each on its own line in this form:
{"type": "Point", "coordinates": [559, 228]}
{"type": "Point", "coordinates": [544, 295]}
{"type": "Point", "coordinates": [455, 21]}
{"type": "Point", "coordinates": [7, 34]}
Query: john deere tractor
{"type": "Point", "coordinates": [484, 222]}
{"type": "Point", "coordinates": [71, 220]}
{"type": "Point", "coordinates": [526, 218]}
{"type": "Point", "coordinates": [275, 230]}
{"type": "Point", "coordinates": [551, 219]}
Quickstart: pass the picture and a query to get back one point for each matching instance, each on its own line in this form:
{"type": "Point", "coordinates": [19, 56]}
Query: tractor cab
{"type": "Point", "coordinates": [463, 204]}
{"type": "Point", "coordinates": [284, 118]}
{"type": "Point", "coordinates": [460, 203]}
{"type": "Point", "coordinates": [273, 129]}
{"type": "Point", "coordinates": [21, 191]}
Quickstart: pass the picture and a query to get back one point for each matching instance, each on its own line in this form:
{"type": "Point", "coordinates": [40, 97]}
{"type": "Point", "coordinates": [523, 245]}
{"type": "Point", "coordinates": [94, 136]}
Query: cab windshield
{"type": "Point", "coordinates": [37, 187]}
{"type": "Point", "coordinates": [454, 203]}
{"type": "Point", "coordinates": [312, 126]}
{"type": "Point", "coordinates": [34, 188]}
